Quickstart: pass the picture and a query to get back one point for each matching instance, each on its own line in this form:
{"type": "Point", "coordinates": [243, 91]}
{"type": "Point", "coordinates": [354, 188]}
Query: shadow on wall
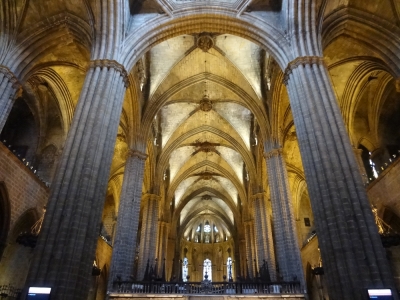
{"type": "Point", "coordinates": [5, 213]}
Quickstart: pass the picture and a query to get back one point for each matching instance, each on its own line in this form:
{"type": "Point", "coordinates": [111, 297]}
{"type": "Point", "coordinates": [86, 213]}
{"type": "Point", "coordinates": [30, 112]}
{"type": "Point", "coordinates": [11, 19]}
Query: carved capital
{"type": "Point", "coordinates": [138, 154]}
{"type": "Point", "coordinates": [107, 63]}
{"type": "Point", "coordinates": [301, 61]}
{"type": "Point", "coordinates": [11, 77]}
{"type": "Point", "coordinates": [151, 197]}
{"type": "Point", "coordinates": [272, 153]}
{"type": "Point", "coordinates": [257, 196]}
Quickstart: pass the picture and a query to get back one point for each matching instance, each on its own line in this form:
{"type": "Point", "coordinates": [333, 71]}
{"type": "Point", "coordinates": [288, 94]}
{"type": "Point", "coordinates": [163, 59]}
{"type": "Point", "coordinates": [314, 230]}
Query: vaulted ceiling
{"type": "Point", "coordinates": [209, 86]}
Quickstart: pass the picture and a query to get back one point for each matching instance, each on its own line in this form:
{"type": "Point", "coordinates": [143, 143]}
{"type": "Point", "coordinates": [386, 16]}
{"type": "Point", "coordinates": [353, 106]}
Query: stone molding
{"type": "Point", "coordinates": [10, 75]}
{"type": "Point", "coordinates": [107, 63]}
{"type": "Point", "coordinates": [301, 61]}
{"type": "Point", "coordinates": [272, 153]}
{"type": "Point", "coordinates": [138, 154]}
{"type": "Point", "coordinates": [397, 83]}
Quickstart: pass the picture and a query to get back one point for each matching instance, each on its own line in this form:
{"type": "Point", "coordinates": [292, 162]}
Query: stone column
{"type": "Point", "coordinates": [148, 236]}
{"type": "Point", "coordinates": [65, 251]}
{"type": "Point", "coordinates": [351, 249]}
{"type": "Point", "coordinates": [243, 257]}
{"type": "Point", "coordinates": [249, 257]}
{"type": "Point", "coordinates": [253, 250]}
{"type": "Point", "coordinates": [162, 245]}
{"type": "Point", "coordinates": [263, 235]}
{"type": "Point", "coordinates": [124, 248]}
{"type": "Point", "coordinates": [8, 87]}
{"type": "Point", "coordinates": [286, 244]}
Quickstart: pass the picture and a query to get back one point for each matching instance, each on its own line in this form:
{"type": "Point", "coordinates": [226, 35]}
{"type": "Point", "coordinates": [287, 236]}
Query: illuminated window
{"type": "Point", "coordinates": [207, 269]}
{"type": "Point", "coordinates": [207, 227]}
{"type": "Point", "coordinates": [229, 268]}
{"type": "Point", "coordinates": [185, 270]}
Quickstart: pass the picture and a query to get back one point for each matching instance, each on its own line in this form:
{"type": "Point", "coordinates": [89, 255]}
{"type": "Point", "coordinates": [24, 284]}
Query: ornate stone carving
{"type": "Point", "coordinates": [206, 104]}
{"type": "Point", "coordinates": [138, 154]}
{"type": "Point", "coordinates": [205, 42]}
{"type": "Point", "coordinates": [206, 175]}
{"type": "Point", "coordinates": [10, 75]}
{"type": "Point", "coordinates": [206, 197]}
{"type": "Point", "coordinates": [272, 153]}
{"type": "Point", "coordinates": [106, 63]}
{"type": "Point", "coordinates": [303, 60]}
{"type": "Point", "coordinates": [205, 147]}
{"type": "Point", "coordinates": [141, 73]}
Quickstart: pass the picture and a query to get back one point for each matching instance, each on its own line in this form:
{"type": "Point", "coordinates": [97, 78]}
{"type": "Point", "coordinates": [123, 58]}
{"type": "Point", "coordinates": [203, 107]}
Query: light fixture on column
{"type": "Point", "coordinates": [389, 236]}
{"type": "Point", "coordinates": [29, 238]}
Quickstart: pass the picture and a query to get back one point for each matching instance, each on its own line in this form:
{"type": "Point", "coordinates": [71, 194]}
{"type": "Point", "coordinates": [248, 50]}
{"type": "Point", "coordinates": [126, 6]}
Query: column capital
{"type": "Point", "coordinates": [11, 76]}
{"type": "Point", "coordinates": [302, 60]}
{"type": "Point", "coordinates": [272, 153]}
{"type": "Point", "coordinates": [138, 154]}
{"type": "Point", "coordinates": [108, 63]}
{"type": "Point", "coordinates": [151, 197]}
{"type": "Point", "coordinates": [258, 196]}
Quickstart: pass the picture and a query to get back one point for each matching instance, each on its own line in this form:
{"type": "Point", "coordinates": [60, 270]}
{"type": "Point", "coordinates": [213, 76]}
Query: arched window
{"type": "Point", "coordinates": [207, 269]}
{"type": "Point", "coordinates": [229, 268]}
{"type": "Point", "coordinates": [185, 270]}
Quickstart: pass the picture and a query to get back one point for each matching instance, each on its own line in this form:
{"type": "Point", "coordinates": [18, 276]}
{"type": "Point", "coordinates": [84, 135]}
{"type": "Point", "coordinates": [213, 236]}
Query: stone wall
{"type": "Point", "coordinates": [26, 195]}
{"type": "Point", "coordinates": [385, 190]}
{"type": "Point", "coordinates": [384, 193]}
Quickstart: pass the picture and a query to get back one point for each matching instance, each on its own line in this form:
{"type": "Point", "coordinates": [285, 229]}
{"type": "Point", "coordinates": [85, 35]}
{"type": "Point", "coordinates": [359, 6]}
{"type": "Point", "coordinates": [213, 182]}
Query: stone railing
{"type": "Point", "coordinates": [205, 288]}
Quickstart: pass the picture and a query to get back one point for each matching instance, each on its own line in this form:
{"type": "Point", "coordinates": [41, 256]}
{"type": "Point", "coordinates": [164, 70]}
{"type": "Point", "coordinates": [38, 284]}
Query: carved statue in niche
{"type": "Point", "coordinates": [195, 258]}
{"type": "Point", "coordinates": [205, 42]}
{"type": "Point", "coordinates": [219, 259]}
{"type": "Point", "coordinates": [47, 161]}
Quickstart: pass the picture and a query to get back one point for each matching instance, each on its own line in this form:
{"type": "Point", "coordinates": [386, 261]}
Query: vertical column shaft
{"type": "Point", "coordinates": [352, 252]}
{"type": "Point", "coordinates": [123, 255]}
{"type": "Point", "coordinates": [65, 250]}
{"type": "Point", "coordinates": [162, 245]}
{"type": "Point", "coordinates": [148, 236]}
{"type": "Point", "coordinates": [287, 249]}
{"type": "Point", "coordinates": [263, 236]}
{"type": "Point", "coordinates": [249, 256]}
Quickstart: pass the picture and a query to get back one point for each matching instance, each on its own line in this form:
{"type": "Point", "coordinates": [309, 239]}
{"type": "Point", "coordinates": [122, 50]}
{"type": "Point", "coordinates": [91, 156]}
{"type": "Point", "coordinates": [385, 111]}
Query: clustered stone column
{"type": "Point", "coordinates": [124, 247]}
{"type": "Point", "coordinates": [351, 249]}
{"type": "Point", "coordinates": [8, 86]}
{"type": "Point", "coordinates": [248, 271]}
{"type": "Point", "coordinates": [148, 235]}
{"type": "Point", "coordinates": [65, 251]}
{"type": "Point", "coordinates": [263, 235]}
{"type": "Point", "coordinates": [163, 230]}
{"type": "Point", "coordinates": [286, 244]}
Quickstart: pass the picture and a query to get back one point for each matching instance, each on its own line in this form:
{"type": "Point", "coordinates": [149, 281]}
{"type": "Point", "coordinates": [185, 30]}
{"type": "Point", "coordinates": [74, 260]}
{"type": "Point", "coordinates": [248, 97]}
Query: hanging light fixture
{"type": "Point", "coordinates": [29, 238]}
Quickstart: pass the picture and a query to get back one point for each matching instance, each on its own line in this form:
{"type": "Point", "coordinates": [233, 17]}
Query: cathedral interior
{"type": "Point", "coordinates": [173, 139]}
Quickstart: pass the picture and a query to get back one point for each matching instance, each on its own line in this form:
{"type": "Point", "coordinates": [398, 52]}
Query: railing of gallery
{"type": "Point", "coordinates": [206, 287]}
